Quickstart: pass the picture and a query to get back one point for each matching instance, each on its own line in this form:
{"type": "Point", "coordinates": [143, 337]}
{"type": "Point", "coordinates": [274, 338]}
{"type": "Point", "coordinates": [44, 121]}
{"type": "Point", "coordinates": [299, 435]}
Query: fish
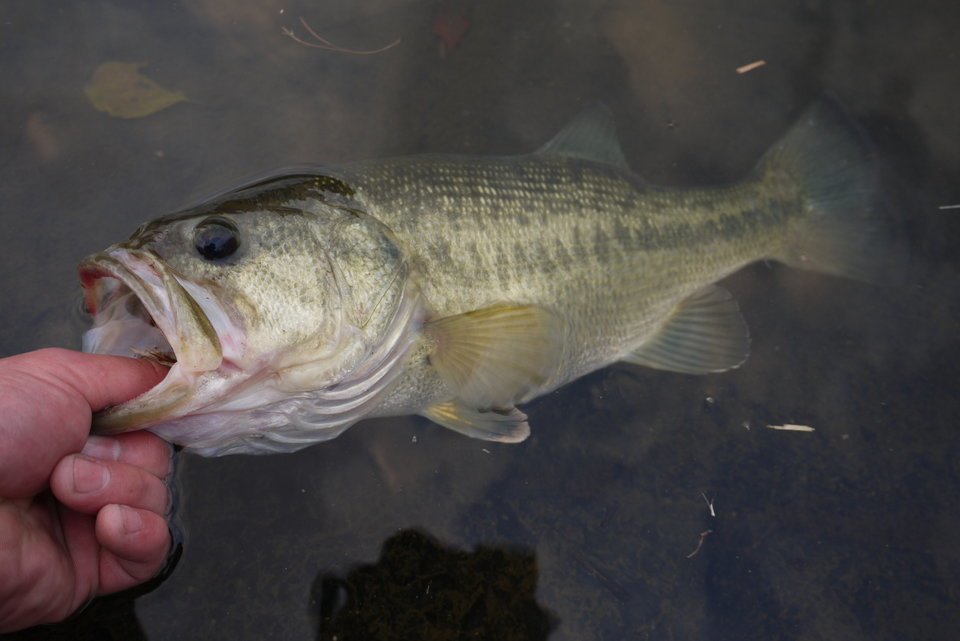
{"type": "Point", "coordinates": [459, 287]}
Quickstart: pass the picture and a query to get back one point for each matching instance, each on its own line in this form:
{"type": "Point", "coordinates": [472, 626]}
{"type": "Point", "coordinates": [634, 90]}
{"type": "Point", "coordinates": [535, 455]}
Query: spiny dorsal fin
{"type": "Point", "coordinates": [504, 426]}
{"type": "Point", "coordinates": [705, 333]}
{"type": "Point", "coordinates": [591, 135]}
{"type": "Point", "coordinates": [493, 357]}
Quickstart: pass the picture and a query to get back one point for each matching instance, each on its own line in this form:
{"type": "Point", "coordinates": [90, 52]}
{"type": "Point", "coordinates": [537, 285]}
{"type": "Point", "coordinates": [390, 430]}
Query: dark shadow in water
{"type": "Point", "coordinates": [419, 589]}
{"type": "Point", "coordinates": [107, 619]}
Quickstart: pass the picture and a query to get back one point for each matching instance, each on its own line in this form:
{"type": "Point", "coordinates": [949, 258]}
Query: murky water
{"type": "Point", "coordinates": [599, 526]}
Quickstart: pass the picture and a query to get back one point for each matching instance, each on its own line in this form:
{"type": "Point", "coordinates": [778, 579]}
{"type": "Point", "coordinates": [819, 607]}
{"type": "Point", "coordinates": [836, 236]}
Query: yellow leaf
{"type": "Point", "coordinates": [118, 89]}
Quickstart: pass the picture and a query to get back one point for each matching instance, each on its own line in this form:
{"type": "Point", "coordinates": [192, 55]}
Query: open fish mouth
{"type": "Point", "coordinates": [123, 325]}
{"type": "Point", "coordinates": [142, 308]}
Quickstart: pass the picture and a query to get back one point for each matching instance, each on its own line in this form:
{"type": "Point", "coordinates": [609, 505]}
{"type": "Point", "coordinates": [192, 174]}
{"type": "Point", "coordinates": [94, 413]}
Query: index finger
{"type": "Point", "coordinates": [140, 449]}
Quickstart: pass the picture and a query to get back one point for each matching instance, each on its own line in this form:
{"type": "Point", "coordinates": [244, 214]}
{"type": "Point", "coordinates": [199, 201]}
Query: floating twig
{"type": "Point", "coordinates": [323, 43]}
{"type": "Point", "coordinates": [703, 535]}
{"type": "Point", "coordinates": [751, 66]}
{"type": "Point", "coordinates": [709, 505]}
{"type": "Point", "coordinates": [949, 207]}
{"type": "Point", "coordinates": [790, 427]}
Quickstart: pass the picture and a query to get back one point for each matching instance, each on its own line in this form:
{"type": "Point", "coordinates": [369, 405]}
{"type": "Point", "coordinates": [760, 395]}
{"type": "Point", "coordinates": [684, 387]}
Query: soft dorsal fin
{"type": "Point", "coordinates": [705, 333]}
{"type": "Point", "coordinates": [492, 357]}
{"type": "Point", "coordinates": [504, 426]}
{"type": "Point", "coordinates": [592, 135]}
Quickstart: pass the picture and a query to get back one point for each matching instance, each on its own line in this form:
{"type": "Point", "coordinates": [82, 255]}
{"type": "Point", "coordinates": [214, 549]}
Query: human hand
{"type": "Point", "coordinates": [80, 516]}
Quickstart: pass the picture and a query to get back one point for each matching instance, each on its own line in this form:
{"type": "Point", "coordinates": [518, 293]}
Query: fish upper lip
{"type": "Point", "coordinates": [135, 272]}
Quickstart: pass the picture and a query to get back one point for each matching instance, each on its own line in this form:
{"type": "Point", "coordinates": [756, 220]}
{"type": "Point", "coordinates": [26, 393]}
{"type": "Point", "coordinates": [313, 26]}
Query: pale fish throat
{"type": "Point", "coordinates": [288, 420]}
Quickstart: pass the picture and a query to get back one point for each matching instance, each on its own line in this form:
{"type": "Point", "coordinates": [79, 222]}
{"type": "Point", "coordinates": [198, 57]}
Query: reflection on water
{"type": "Point", "coordinates": [419, 589]}
{"type": "Point", "coordinates": [848, 532]}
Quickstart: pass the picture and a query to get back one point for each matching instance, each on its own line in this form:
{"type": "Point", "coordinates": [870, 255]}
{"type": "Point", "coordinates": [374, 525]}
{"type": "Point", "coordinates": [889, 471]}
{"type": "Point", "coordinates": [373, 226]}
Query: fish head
{"type": "Point", "coordinates": [261, 302]}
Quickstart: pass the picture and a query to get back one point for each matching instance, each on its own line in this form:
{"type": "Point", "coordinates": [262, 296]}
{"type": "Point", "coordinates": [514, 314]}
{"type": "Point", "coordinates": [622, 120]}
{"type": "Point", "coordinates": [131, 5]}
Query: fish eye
{"type": "Point", "coordinates": [216, 238]}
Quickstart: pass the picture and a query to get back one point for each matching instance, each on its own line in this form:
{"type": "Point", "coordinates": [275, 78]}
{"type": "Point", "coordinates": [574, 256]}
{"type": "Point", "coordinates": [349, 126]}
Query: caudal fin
{"type": "Point", "coordinates": [830, 161]}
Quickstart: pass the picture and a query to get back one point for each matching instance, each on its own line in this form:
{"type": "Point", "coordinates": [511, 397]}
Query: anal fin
{"type": "Point", "coordinates": [704, 334]}
{"type": "Point", "coordinates": [501, 425]}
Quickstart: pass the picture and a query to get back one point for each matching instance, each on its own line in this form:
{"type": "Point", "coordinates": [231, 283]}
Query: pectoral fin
{"type": "Point", "coordinates": [501, 425]}
{"type": "Point", "coordinates": [704, 334]}
{"type": "Point", "coordinates": [493, 357]}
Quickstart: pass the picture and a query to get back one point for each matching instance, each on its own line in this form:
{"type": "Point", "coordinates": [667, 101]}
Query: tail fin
{"type": "Point", "coordinates": [830, 160]}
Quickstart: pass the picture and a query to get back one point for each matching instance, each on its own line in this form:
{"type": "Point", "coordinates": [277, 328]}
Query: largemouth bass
{"type": "Point", "coordinates": [457, 287]}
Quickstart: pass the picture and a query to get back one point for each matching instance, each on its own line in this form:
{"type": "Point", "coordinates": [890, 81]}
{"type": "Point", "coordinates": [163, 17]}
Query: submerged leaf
{"type": "Point", "coordinates": [118, 89]}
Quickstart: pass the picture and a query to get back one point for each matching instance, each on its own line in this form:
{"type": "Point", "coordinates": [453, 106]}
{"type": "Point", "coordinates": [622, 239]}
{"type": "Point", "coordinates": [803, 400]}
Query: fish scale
{"type": "Point", "coordinates": [588, 240]}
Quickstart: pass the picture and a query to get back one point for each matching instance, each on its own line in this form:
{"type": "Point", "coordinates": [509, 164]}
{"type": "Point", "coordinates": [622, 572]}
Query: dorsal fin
{"type": "Point", "coordinates": [591, 135]}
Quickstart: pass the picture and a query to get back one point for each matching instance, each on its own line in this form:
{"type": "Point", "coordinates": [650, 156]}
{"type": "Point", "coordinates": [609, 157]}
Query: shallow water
{"type": "Point", "coordinates": [593, 528]}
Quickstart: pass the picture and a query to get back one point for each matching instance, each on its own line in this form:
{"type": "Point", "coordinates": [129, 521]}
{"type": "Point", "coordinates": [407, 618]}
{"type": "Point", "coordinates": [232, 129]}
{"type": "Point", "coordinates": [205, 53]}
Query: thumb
{"type": "Point", "coordinates": [46, 401]}
{"type": "Point", "coordinates": [101, 380]}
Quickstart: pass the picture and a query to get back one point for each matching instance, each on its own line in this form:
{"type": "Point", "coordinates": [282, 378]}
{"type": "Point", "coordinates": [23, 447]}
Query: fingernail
{"type": "Point", "coordinates": [88, 475]}
{"type": "Point", "coordinates": [132, 522]}
{"type": "Point", "coordinates": [102, 447]}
